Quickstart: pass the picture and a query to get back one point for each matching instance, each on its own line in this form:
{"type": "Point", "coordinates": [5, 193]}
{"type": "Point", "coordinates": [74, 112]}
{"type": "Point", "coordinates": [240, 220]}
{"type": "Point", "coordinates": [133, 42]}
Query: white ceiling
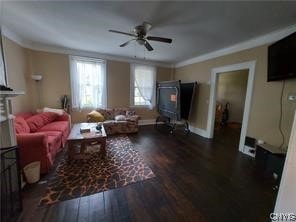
{"type": "Point", "coordinates": [196, 28]}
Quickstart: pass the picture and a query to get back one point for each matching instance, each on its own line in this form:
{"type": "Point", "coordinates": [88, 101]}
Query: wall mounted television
{"type": "Point", "coordinates": [282, 59]}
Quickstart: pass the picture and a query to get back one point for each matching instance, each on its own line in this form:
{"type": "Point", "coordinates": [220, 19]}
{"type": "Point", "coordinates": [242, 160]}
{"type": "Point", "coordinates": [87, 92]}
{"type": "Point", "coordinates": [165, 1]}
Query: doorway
{"type": "Point", "coordinates": [250, 69]}
{"type": "Point", "coordinates": [230, 101]}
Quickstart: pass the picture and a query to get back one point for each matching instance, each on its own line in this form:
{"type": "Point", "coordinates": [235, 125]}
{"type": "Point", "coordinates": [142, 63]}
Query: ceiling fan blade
{"type": "Point", "coordinates": [126, 43]}
{"type": "Point", "coordinates": [147, 26]}
{"type": "Point", "coordinates": [148, 46]}
{"type": "Point", "coordinates": [159, 39]}
{"type": "Point", "coordinates": [124, 33]}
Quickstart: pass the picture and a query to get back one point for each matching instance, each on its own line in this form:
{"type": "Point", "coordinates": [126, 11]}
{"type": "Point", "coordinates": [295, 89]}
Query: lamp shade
{"type": "Point", "coordinates": [36, 77]}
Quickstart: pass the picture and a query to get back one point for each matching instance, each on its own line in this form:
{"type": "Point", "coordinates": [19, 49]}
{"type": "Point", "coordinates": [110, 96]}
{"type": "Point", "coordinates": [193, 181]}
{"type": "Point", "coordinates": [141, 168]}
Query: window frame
{"type": "Point", "coordinates": [73, 58]}
{"type": "Point", "coordinates": [132, 86]}
{"type": "Point", "coordinates": [3, 71]}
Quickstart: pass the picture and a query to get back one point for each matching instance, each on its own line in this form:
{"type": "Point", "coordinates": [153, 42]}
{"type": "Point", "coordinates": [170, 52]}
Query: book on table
{"type": "Point", "coordinates": [84, 128]}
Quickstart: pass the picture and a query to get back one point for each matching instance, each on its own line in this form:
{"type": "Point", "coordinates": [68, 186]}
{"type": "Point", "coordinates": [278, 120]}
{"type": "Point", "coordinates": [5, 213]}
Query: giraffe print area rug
{"type": "Point", "coordinates": [121, 166]}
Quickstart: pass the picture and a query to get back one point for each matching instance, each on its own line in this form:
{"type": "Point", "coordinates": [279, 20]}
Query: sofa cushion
{"type": "Point", "coordinates": [107, 113]}
{"type": "Point", "coordinates": [61, 126]}
{"type": "Point", "coordinates": [25, 115]}
{"type": "Point", "coordinates": [55, 126]}
{"type": "Point", "coordinates": [95, 116]}
{"type": "Point", "coordinates": [119, 111]}
{"type": "Point", "coordinates": [21, 125]}
{"type": "Point", "coordinates": [120, 118]}
{"type": "Point", "coordinates": [41, 119]}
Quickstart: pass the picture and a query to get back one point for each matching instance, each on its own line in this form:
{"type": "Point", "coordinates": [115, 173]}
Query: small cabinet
{"type": "Point", "coordinates": [270, 160]}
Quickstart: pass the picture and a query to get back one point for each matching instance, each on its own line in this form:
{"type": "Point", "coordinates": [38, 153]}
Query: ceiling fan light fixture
{"type": "Point", "coordinates": [140, 32]}
{"type": "Point", "coordinates": [141, 41]}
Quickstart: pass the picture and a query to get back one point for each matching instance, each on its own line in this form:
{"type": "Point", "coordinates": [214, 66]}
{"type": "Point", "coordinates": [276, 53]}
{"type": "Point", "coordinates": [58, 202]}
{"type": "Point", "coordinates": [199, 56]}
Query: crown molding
{"type": "Point", "coordinates": [254, 42]}
{"type": "Point", "coordinates": [55, 49]}
{"type": "Point", "coordinates": [75, 52]}
{"type": "Point", "coordinates": [258, 41]}
{"type": "Point", "coordinates": [12, 36]}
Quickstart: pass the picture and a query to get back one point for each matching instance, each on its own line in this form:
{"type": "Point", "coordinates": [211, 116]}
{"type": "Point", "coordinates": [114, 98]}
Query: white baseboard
{"type": "Point", "coordinates": [195, 130]}
{"type": "Point", "coordinates": [199, 131]}
{"type": "Point", "coordinates": [143, 122]}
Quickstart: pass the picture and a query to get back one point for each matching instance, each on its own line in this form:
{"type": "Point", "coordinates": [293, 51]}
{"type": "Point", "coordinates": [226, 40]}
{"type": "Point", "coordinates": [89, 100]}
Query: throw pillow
{"type": "Point", "coordinates": [49, 117]}
{"type": "Point", "coordinates": [60, 112]}
{"type": "Point", "coordinates": [107, 113]}
{"type": "Point", "coordinates": [119, 111]}
{"type": "Point", "coordinates": [120, 118]}
{"type": "Point", "coordinates": [130, 112]}
{"type": "Point", "coordinates": [41, 119]}
{"type": "Point", "coordinates": [95, 116]}
{"type": "Point", "coordinates": [21, 125]}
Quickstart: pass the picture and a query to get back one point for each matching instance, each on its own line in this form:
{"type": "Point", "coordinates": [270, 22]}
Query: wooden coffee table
{"type": "Point", "coordinates": [77, 142]}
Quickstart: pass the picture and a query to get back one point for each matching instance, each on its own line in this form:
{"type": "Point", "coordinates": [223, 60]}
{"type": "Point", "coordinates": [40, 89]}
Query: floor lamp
{"type": "Point", "coordinates": [37, 79]}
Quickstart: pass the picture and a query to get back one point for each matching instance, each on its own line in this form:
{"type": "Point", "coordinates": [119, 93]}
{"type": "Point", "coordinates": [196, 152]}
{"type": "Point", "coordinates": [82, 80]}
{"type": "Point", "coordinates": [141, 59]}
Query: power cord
{"type": "Point", "coordinates": [281, 115]}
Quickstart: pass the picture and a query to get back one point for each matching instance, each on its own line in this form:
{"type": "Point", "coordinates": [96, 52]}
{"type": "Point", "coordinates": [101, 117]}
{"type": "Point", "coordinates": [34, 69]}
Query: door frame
{"type": "Point", "coordinates": [250, 66]}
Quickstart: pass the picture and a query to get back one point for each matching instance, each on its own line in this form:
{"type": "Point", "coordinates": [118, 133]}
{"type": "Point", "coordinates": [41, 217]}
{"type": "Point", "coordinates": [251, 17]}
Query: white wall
{"type": "Point", "coordinates": [286, 199]}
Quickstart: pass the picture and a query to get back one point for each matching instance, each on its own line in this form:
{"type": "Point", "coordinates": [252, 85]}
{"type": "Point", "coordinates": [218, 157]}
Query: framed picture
{"type": "Point", "coordinates": [2, 63]}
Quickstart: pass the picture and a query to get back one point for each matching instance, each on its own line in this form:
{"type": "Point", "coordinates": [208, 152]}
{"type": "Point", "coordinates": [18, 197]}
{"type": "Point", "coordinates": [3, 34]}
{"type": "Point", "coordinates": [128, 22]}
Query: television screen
{"type": "Point", "coordinates": [282, 59]}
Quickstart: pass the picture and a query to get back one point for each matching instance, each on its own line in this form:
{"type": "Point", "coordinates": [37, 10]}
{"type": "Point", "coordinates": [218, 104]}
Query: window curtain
{"type": "Point", "coordinates": [88, 83]}
{"type": "Point", "coordinates": [145, 79]}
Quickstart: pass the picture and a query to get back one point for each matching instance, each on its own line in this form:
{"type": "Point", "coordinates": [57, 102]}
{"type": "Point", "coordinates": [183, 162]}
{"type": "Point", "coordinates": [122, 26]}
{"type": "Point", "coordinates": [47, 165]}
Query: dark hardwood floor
{"type": "Point", "coordinates": [196, 180]}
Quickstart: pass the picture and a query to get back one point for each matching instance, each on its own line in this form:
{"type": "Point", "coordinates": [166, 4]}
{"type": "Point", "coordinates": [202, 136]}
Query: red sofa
{"type": "Point", "coordinates": [40, 136]}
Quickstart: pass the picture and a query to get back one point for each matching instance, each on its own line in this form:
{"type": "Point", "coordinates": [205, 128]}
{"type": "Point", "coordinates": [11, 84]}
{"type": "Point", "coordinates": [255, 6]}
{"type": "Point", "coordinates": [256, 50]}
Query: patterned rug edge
{"type": "Point", "coordinates": [41, 205]}
{"type": "Point", "coordinates": [60, 194]}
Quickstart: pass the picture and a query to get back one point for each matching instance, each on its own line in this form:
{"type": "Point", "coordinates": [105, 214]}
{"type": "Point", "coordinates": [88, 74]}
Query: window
{"type": "Point", "coordinates": [143, 85]}
{"type": "Point", "coordinates": [88, 82]}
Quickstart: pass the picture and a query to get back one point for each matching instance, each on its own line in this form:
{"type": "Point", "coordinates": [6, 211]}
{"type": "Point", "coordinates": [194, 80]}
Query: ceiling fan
{"type": "Point", "coordinates": [139, 34]}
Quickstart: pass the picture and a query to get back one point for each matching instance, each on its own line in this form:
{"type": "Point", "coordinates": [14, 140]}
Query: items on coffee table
{"type": "Point", "coordinates": [84, 128]}
{"type": "Point", "coordinates": [78, 142]}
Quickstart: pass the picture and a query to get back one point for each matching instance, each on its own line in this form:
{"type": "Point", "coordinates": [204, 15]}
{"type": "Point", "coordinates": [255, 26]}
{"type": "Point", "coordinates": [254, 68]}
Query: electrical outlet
{"type": "Point", "coordinates": [292, 97]}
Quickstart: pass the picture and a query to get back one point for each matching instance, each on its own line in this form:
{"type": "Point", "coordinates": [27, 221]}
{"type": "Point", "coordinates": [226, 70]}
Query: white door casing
{"type": "Point", "coordinates": [213, 95]}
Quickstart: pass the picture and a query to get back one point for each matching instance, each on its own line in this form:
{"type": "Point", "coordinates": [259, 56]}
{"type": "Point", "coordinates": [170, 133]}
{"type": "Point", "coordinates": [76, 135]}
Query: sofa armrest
{"type": "Point", "coordinates": [133, 118]}
{"type": "Point", "coordinates": [33, 142]}
{"type": "Point", "coordinates": [35, 147]}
